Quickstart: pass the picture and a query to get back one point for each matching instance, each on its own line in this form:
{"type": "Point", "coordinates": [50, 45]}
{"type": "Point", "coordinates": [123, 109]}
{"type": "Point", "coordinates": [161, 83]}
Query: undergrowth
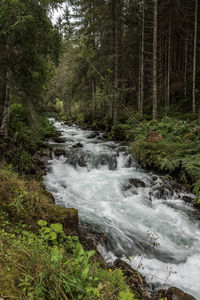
{"type": "Point", "coordinates": [25, 138]}
{"type": "Point", "coordinates": [171, 146]}
{"type": "Point", "coordinates": [51, 265]}
{"type": "Point", "coordinates": [37, 259]}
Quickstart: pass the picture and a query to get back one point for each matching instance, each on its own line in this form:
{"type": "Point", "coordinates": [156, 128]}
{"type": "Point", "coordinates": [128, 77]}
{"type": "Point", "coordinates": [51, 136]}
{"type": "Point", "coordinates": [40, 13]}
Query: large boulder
{"type": "Point", "coordinates": [173, 293]}
{"type": "Point", "coordinates": [78, 145]}
{"type": "Point", "coordinates": [93, 135]}
{"type": "Point", "coordinates": [137, 182]}
{"type": "Point", "coordinates": [188, 199]}
{"type": "Point", "coordinates": [59, 140]}
{"type": "Point", "coordinates": [59, 152]}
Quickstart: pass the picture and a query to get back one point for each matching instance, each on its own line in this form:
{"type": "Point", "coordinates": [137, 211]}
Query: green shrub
{"type": "Point", "coordinates": [175, 152]}
{"type": "Point", "coordinates": [51, 265]}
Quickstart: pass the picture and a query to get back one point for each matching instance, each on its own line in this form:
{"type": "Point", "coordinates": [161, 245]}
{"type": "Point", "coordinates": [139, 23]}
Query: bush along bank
{"type": "Point", "coordinates": [171, 147]}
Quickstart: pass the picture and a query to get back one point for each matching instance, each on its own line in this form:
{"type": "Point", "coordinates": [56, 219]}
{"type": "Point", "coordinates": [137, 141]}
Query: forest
{"type": "Point", "coordinates": [125, 72]}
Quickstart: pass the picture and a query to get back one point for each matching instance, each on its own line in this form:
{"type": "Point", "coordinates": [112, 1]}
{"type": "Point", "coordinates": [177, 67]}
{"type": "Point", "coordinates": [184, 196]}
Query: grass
{"type": "Point", "coordinates": [33, 267]}
{"type": "Point", "coordinates": [37, 259]}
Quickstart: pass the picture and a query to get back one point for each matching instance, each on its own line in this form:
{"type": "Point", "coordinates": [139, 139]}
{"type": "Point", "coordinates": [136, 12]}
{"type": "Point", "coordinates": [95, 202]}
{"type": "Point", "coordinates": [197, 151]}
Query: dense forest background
{"type": "Point", "coordinates": [138, 58]}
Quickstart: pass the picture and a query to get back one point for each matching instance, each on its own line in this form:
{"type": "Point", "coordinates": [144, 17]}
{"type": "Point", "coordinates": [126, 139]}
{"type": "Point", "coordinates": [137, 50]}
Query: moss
{"type": "Point", "coordinates": [27, 201]}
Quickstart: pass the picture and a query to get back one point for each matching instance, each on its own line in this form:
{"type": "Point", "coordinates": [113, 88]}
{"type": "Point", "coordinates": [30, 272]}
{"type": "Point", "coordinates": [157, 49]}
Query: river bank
{"type": "Point", "coordinates": [41, 256]}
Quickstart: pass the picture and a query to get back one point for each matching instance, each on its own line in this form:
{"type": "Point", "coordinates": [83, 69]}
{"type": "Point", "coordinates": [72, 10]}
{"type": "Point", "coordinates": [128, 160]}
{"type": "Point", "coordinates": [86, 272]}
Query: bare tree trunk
{"type": "Point", "coordinates": [166, 73]}
{"type": "Point", "coordinates": [6, 109]}
{"type": "Point", "coordinates": [169, 65]}
{"type": "Point", "coordinates": [155, 42]}
{"type": "Point", "coordinates": [142, 63]}
{"type": "Point", "coordinates": [186, 63]}
{"type": "Point", "coordinates": [117, 17]}
{"type": "Point", "coordinates": [139, 86]}
{"type": "Point", "coordinates": [194, 58]}
{"type": "Point", "coordinates": [94, 95]}
{"type": "Point", "coordinates": [94, 48]}
{"type": "Point", "coordinates": [32, 114]}
{"type": "Point", "coordinates": [113, 56]}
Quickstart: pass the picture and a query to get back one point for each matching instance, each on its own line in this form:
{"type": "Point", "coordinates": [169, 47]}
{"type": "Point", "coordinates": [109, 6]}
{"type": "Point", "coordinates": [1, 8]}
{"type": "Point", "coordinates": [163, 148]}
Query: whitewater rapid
{"type": "Point", "coordinates": [116, 197]}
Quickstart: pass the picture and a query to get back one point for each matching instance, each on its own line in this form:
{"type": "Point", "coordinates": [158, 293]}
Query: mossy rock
{"type": "Point", "coordinates": [27, 201]}
{"type": "Point", "coordinates": [68, 217]}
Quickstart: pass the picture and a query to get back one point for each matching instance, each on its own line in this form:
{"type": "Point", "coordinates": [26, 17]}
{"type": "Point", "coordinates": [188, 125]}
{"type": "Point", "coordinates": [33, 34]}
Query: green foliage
{"type": "Point", "coordinates": [44, 269]}
{"type": "Point", "coordinates": [25, 140]}
{"type": "Point", "coordinates": [172, 146]}
{"type": "Point", "coordinates": [126, 296]}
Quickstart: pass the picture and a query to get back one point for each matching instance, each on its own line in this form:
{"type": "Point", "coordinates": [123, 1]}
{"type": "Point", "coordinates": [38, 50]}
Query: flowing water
{"type": "Point", "coordinates": [116, 197]}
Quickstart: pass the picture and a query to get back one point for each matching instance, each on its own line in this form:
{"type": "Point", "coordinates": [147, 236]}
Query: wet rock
{"type": "Point", "coordinates": [68, 217]}
{"type": "Point", "coordinates": [175, 186]}
{"type": "Point", "coordinates": [122, 148]}
{"type": "Point", "coordinates": [137, 182]}
{"type": "Point", "coordinates": [173, 293]}
{"type": "Point", "coordinates": [187, 199]}
{"type": "Point", "coordinates": [126, 187]}
{"type": "Point", "coordinates": [134, 279]}
{"type": "Point", "coordinates": [154, 178]}
{"type": "Point", "coordinates": [129, 190]}
{"type": "Point", "coordinates": [42, 156]}
{"type": "Point", "coordinates": [93, 234]}
{"type": "Point", "coordinates": [59, 140]}
{"type": "Point", "coordinates": [164, 190]}
{"type": "Point", "coordinates": [129, 161]}
{"type": "Point", "coordinates": [59, 152]}
{"type": "Point", "coordinates": [93, 135]}
{"type": "Point", "coordinates": [161, 193]}
{"type": "Point", "coordinates": [78, 145]}
{"type": "Point", "coordinates": [105, 159]}
{"type": "Point", "coordinates": [77, 159]}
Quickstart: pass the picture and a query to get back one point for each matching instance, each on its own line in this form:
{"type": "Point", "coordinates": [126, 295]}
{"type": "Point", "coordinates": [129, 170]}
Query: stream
{"type": "Point", "coordinates": [143, 217]}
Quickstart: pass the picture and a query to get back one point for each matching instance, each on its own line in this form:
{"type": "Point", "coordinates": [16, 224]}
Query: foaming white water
{"type": "Point", "coordinates": [101, 191]}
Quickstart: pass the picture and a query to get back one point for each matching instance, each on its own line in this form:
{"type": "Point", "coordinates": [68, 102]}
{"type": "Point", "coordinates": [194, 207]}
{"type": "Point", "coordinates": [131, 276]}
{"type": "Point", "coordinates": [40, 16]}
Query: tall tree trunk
{"type": "Point", "coordinates": [186, 65]}
{"type": "Point", "coordinates": [113, 57]}
{"type": "Point", "coordinates": [194, 58]}
{"type": "Point", "coordinates": [116, 22]}
{"type": "Point", "coordinates": [155, 42]}
{"type": "Point", "coordinates": [166, 73]}
{"type": "Point", "coordinates": [139, 85]}
{"type": "Point", "coordinates": [169, 64]}
{"type": "Point", "coordinates": [94, 95]}
{"type": "Point", "coordinates": [32, 114]}
{"type": "Point", "coordinates": [93, 83]}
{"type": "Point", "coordinates": [6, 109]}
{"type": "Point", "coordinates": [142, 63]}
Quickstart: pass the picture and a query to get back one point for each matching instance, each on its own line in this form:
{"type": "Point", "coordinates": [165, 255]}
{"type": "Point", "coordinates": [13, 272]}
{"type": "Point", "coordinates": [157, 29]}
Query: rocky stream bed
{"type": "Point", "coordinates": [133, 215]}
